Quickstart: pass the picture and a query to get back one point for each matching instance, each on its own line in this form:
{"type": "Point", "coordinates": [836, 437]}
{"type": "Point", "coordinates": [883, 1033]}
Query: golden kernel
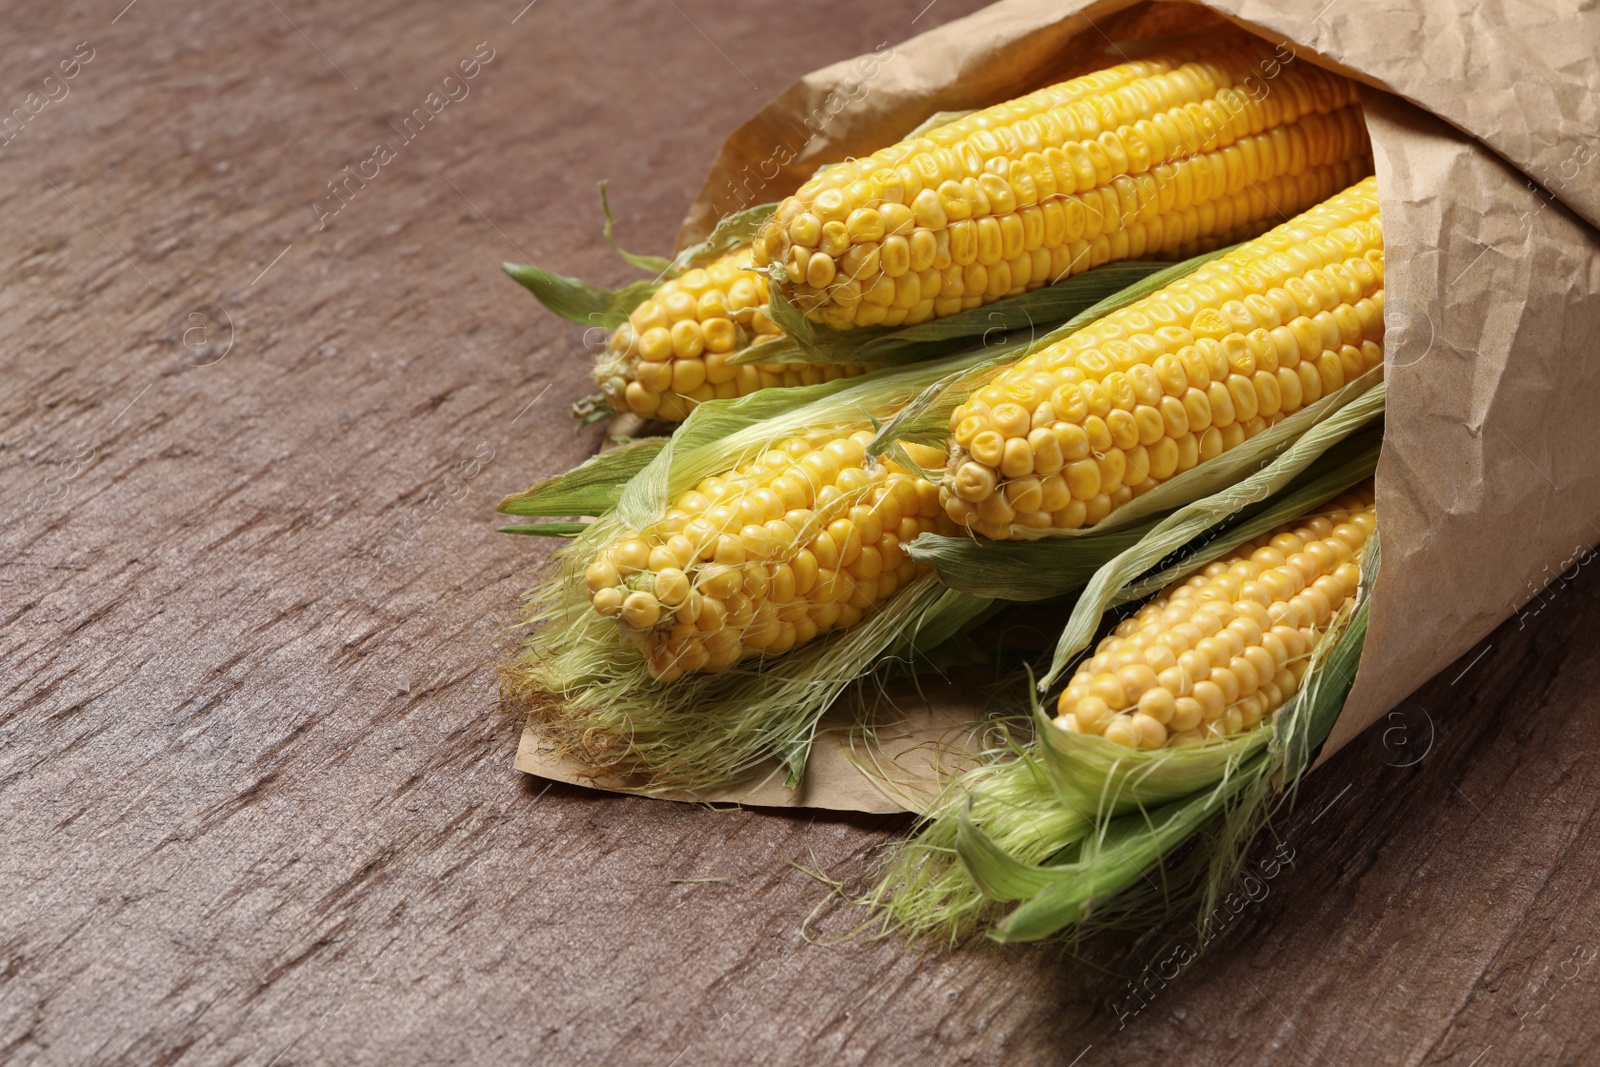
{"type": "Point", "coordinates": [641, 610]}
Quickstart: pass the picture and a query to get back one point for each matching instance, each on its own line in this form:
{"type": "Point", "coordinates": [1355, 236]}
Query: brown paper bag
{"type": "Point", "coordinates": [1484, 130]}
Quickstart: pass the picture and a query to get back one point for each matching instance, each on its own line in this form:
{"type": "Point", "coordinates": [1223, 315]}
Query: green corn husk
{"type": "Point", "coordinates": [804, 341]}
{"type": "Point", "coordinates": [1071, 827]}
{"type": "Point", "coordinates": [929, 892]}
{"type": "Point", "coordinates": [1128, 847]}
{"type": "Point", "coordinates": [592, 488]}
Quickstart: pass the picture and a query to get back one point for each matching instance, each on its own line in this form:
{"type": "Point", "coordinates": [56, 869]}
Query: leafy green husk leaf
{"type": "Point", "coordinates": [546, 529]}
{"type": "Point", "coordinates": [721, 434]}
{"type": "Point", "coordinates": [731, 232]}
{"type": "Point", "coordinates": [649, 264]}
{"type": "Point", "coordinates": [1038, 815]}
{"type": "Point", "coordinates": [804, 341]}
{"type": "Point", "coordinates": [1129, 847]}
{"type": "Point", "coordinates": [1343, 465]}
{"type": "Point", "coordinates": [579, 301]}
{"type": "Point", "coordinates": [592, 488]}
{"type": "Point", "coordinates": [926, 890]}
{"type": "Point", "coordinates": [1118, 854]}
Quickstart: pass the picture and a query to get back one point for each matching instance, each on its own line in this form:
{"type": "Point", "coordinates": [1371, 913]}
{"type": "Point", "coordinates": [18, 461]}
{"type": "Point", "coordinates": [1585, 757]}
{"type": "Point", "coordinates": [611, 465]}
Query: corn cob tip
{"type": "Point", "coordinates": [674, 351]}
{"type": "Point", "coordinates": [803, 539]}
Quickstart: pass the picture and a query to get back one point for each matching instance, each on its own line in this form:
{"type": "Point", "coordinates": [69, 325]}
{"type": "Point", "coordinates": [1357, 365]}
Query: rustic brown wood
{"type": "Point", "coordinates": [258, 807]}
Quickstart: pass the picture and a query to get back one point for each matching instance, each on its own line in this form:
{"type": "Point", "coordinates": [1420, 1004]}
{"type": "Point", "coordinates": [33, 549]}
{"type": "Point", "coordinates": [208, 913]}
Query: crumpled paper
{"type": "Point", "coordinates": [1484, 120]}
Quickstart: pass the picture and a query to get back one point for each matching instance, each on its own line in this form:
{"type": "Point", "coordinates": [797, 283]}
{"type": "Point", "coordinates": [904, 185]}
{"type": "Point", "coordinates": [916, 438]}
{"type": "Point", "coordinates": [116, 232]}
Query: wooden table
{"type": "Point", "coordinates": [259, 807]}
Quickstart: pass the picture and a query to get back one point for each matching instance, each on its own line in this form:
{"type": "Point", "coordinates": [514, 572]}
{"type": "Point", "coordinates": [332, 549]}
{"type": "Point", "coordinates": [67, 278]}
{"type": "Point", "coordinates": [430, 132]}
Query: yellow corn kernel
{"type": "Point", "coordinates": [1219, 653]}
{"type": "Point", "coordinates": [1130, 404]}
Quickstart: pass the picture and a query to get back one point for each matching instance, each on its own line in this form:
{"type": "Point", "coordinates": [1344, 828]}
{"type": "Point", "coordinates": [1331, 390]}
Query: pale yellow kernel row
{"type": "Point", "coordinates": [805, 538]}
{"type": "Point", "coordinates": [1220, 653]}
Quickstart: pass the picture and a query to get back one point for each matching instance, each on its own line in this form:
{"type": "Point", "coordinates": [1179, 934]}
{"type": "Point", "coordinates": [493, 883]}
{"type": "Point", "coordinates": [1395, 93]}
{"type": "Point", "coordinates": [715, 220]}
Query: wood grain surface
{"type": "Point", "coordinates": [258, 808]}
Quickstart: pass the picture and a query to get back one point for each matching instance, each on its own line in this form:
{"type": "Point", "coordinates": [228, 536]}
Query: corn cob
{"type": "Point", "coordinates": [1220, 653]}
{"type": "Point", "coordinates": [1072, 432]}
{"type": "Point", "coordinates": [673, 351]}
{"type": "Point", "coordinates": [803, 539]}
{"type": "Point", "coordinates": [1163, 156]}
